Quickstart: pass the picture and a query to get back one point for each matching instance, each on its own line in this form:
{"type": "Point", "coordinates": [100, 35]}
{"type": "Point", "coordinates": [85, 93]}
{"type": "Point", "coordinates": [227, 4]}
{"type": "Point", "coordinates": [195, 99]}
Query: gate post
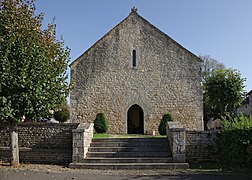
{"type": "Point", "coordinates": [82, 137]}
{"type": "Point", "coordinates": [176, 135]}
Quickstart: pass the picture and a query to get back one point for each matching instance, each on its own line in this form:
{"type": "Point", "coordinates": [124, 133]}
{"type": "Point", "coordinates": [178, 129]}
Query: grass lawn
{"type": "Point", "coordinates": [96, 135]}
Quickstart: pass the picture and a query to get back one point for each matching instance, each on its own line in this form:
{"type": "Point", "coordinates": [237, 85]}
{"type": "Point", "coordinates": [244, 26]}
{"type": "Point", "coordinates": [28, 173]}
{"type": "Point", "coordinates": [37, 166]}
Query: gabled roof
{"type": "Point", "coordinates": [118, 26]}
{"type": "Point", "coordinates": [250, 92]}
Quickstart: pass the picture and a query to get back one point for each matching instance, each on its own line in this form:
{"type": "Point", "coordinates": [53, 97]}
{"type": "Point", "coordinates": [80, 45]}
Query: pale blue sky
{"type": "Point", "coordinates": [219, 28]}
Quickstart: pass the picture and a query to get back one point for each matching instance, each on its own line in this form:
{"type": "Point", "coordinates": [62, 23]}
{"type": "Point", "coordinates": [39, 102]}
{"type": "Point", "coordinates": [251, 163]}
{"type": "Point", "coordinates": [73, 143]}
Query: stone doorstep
{"type": "Point", "coordinates": [129, 165]}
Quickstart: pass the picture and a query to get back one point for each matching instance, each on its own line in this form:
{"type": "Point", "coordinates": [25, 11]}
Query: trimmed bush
{"type": "Point", "coordinates": [63, 114]}
{"type": "Point", "coordinates": [100, 123]}
{"type": "Point", "coordinates": [235, 142]}
{"type": "Point", "coordinates": [162, 126]}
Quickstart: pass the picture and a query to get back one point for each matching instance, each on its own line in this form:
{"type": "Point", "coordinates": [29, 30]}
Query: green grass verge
{"type": "Point", "coordinates": [96, 136]}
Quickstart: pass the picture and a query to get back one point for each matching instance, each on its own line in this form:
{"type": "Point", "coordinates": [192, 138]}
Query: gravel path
{"type": "Point", "coordinates": [55, 172]}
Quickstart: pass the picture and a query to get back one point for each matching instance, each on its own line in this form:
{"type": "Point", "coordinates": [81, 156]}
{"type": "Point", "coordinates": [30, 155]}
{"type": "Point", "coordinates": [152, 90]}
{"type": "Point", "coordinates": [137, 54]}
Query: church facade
{"type": "Point", "coordinates": [135, 74]}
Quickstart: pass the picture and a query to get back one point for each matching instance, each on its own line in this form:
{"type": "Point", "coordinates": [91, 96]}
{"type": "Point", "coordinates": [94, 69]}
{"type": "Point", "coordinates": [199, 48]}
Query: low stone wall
{"type": "Point", "coordinates": [192, 146]}
{"type": "Point", "coordinates": [40, 142]}
{"type": "Point", "coordinates": [201, 146]}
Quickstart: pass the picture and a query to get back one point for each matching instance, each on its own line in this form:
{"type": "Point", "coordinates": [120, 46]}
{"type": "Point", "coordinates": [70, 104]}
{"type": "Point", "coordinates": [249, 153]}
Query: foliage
{"type": "Point", "coordinates": [62, 114]}
{"type": "Point", "coordinates": [235, 142]}
{"type": "Point", "coordinates": [33, 63]}
{"type": "Point", "coordinates": [224, 88]}
{"type": "Point", "coordinates": [209, 65]}
{"type": "Point", "coordinates": [100, 123]}
{"type": "Point", "coordinates": [162, 126]}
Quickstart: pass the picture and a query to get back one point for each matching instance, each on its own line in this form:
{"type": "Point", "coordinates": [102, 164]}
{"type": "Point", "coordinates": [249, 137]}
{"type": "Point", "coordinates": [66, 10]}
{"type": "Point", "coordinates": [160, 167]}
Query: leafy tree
{"type": "Point", "coordinates": [162, 126]}
{"type": "Point", "coordinates": [209, 65]}
{"type": "Point", "coordinates": [224, 88]}
{"type": "Point", "coordinates": [62, 113]}
{"type": "Point", "coordinates": [100, 123]}
{"type": "Point", "coordinates": [33, 63]}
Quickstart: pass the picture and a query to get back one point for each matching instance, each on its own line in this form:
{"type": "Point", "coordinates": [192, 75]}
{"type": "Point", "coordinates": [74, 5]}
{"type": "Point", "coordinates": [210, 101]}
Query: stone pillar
{"type": "Point", "coordinates": [176, 136]}
{"type": "Point", "coordinates": [82, 137]}
{"type": "Point", "coordinates": [14, 145]}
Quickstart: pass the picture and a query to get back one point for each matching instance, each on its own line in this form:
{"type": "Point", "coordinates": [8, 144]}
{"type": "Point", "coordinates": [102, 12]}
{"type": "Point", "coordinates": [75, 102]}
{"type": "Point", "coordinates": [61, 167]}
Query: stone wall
{"type": "Point", "coordinates": [166, 79]}
{"type": "Point", "coordinates": [201, 146]}
{"type": "Point", "coordinates": [40, 142]}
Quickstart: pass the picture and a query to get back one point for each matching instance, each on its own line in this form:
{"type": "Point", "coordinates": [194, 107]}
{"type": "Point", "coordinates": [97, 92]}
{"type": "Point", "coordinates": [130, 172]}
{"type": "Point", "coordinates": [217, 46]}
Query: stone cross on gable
{"type": "Point", "coordinates": [134, 9]}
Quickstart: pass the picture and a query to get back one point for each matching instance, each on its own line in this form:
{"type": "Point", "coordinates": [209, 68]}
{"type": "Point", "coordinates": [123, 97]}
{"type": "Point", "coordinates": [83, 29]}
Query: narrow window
{"type": "Point", "coordinates": [134, 58]}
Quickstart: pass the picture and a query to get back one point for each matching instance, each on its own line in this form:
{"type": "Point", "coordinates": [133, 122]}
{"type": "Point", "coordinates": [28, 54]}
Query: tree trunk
{"type": "Point", "coordinates": [222, 109]}
{"type": "Point", "coordinates": [14, 145]}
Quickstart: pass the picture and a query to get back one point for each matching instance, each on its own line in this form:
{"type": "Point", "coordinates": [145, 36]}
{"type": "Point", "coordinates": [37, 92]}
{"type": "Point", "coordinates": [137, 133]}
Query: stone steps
{"type": "Point", "coordinates": [128, 160]}
{"type": "Point", "coordinates": [125, 144]}
{"type": "Point", "coordinates": [130, 142]}
{"type": "Point", "coordinates": [129, 153]}
{"type": "Point", "coordinates": [127, 149]}
{"type": "Point", "coordinates": [154, 140]}
{"type": "Point", "coordinates": [129, 165]}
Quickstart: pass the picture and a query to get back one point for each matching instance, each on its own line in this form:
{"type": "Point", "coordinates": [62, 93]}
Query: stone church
{"type": "Point", "coordinates": [135, 74]}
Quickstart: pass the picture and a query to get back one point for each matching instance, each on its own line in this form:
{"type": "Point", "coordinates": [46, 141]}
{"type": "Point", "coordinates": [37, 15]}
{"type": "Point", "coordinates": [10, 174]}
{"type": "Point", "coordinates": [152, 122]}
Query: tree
{"type": "Point", "coordinates": [209, 65]}
{"type": "Point", "coordinates": [162, 126]}
{"type": "Point", "coordinates": [224, 88]}
{"type": "Point", "coordinates": [33, 64]}
{"type": "Point", "coordinates": [62, 113]}
{"type": "Point", "coordinates": [100, 123]}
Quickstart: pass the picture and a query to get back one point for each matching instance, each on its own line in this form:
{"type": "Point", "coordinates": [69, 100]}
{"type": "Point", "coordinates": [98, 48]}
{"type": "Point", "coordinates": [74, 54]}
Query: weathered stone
{"type": "Point", "coordinates": [176, 136]}
{"type": "Point", "coordinates": [82, 137]}
{"type": "Point", "coordinates": [39, 142]}
{"type": "Point", "coordinates": [201, 146]}
{"type": "Point", "coordinates": [165, 79]}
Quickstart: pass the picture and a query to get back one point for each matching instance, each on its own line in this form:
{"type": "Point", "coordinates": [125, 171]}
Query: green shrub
{"type": "Point", "coordinates": [100, 123]}
{"type": "Point", "coordinates": [162, 126]}
{"type": "Point", "coordinates": [235, 142]}
{"type": "Point", "coordinates": [63, 114]}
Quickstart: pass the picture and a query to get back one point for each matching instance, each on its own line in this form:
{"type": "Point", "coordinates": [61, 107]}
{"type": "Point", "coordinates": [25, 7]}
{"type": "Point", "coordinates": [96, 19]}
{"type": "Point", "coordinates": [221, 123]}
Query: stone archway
{"type": "Point", "coordinates": [135, 120]}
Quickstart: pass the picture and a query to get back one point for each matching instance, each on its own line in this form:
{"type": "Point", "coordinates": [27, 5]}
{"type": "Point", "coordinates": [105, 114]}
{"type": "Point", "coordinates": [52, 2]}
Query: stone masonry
{"type": "Point", "coordinates": [176, 136]}
{"type": "Point", "coordinates": [165, 79]}
{"type": "Point", "coordinates": [82, 137]}
{"type": "Point", "coordinates": [40, 142]}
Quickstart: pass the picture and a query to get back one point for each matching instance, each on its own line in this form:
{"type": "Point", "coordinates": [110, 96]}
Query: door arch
{"type": "Point", "coordinates": [135, 120]}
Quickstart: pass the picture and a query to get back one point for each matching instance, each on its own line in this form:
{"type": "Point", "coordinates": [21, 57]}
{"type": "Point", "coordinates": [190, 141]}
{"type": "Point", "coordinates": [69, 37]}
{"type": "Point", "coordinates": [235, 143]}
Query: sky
{"type": "Point", "coordinates": [219, 28]}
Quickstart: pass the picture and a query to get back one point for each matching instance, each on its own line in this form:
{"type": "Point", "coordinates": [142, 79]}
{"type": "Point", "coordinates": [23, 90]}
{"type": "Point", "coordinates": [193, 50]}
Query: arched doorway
{"type": "Point", "coordinates": [135, 120]}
